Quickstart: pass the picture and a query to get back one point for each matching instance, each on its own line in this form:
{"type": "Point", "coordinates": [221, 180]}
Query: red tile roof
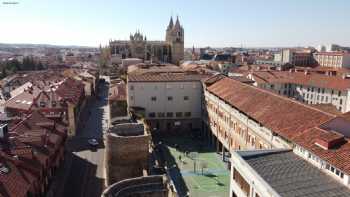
{"type": "Point", "coordinates": [338, 53]}
{"type": "Point", "coordinates": [284, 116]}
{"type": "Point", "coordinates": [117, 92]}
{"type": "Point", "coordinates": [311, 79]}
{"type": "Point", "coordinates": [36, 142]}
{"type": "Point", "coordinates": [23, 101]}
{"type": "Point", "coordinates": [71, 90]}
{"type": "Point", "coordinates": [338, 156]}
{"type": "Point", "coordinates": [166, 76]}
{"type": "Point", "coordinates": [13, 183]}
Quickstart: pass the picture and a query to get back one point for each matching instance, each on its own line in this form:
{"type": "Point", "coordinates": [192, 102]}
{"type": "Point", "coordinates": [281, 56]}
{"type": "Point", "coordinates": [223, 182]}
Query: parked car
{"type": "Point", "coordinates": [93, 142]}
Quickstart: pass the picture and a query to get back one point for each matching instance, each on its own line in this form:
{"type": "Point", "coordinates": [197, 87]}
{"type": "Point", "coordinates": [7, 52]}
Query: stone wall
{"type": "Point", "coordinates": [148, 186]}
{"type": "Point", "coordinates": [126, 156]}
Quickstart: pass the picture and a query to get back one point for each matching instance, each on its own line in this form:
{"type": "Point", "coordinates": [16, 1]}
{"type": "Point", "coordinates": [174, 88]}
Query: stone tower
{"type": "Point", "coordinates": [175, 38]}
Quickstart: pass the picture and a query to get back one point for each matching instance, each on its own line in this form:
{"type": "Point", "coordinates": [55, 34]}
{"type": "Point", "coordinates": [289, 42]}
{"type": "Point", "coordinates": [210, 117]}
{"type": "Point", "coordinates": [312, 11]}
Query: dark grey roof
{"type": "Point", "coordinates": [291, 176]}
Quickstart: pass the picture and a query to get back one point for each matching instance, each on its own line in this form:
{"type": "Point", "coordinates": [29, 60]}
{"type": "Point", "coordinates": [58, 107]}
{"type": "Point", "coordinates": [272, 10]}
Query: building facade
{"type": "Point", "coordinates": [239, 116]}
{"type": "Point", "coordinates": [295, 57]}
{"type": "Point", "coordinates": [171, 50]}
{"type": "Point", "coordinates": [306, 87]}
{"type": "Point", "coordinates": [333, 59]}
{"type": "Point", "coordinates": [170, 99]}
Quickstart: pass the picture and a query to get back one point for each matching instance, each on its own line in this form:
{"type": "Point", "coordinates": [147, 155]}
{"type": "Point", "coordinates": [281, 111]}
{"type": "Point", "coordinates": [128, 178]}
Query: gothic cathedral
{"type": "Point", "coordinates": [170, 51]}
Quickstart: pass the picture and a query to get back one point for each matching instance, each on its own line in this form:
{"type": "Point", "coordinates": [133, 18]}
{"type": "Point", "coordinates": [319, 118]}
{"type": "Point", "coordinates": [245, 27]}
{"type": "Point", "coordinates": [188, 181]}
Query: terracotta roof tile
{"type": "Point", "coordinates": [338, 156]}
{"type": "Point", "coordinates": [284, 116]}
{"type": "Point", "coordinates": [311, 79]}
{"type": "Point", "coordinates": [13, 183]}
{"type": "Point", "coordinates": [166, 76]}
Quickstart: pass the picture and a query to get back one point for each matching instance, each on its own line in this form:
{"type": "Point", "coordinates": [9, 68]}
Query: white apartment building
{"type": "Point", "coordinates": [306, 87]}
{"type": "Point", "coordinates": [296, 57]}
{"type": "Point", "coordinates": [169, 99]}
{"type": "Point", "coordinates": [333, 59]}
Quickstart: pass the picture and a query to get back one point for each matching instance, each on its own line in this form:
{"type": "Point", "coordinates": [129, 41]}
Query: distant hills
{"type": "Point", "coordinates": [5, 45]}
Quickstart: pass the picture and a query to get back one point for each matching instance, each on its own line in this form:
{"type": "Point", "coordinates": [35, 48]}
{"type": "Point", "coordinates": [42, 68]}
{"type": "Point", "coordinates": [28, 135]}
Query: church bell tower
{"type": "Point", "coordinates": [175, 38]}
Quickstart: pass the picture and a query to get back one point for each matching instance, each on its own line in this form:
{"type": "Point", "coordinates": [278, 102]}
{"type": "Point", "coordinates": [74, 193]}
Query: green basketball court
{"type": "Point", "coordinates": [203, 176]}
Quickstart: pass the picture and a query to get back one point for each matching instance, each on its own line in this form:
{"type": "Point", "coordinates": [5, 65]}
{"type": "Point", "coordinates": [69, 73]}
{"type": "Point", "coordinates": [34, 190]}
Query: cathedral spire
{"type": "Point", "coordinates": [171, 23]}
{"type": "Point", "coordinates": [177, 23]}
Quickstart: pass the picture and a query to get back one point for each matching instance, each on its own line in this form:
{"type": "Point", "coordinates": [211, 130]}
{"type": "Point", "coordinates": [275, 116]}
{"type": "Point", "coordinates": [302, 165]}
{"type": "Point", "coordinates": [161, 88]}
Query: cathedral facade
{"type": "Point", "coordinates": [171, 50]}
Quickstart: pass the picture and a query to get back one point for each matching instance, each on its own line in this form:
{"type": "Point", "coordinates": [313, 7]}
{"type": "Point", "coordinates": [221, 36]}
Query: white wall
{"type": "Point", "coordinates": [142, 92]}
{"type": "Point", "coordinates": [257, 184]}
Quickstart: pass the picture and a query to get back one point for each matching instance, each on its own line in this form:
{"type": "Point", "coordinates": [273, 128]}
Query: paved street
{"type": "Point", "coordinates": [83, 173]}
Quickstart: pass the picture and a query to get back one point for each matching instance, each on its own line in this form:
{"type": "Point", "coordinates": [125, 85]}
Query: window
{"type": "Point", "coordinates": [53, 103]}
{"type": "Point", "coordinates": [152, 115]}
{"type": "Point", "coordinates": [182, 86]}
{"type": "Point", "coordinates": [339, 93]}
{"type": "Point", "coordinates": [153, 98]}
{"type": "Point", "coordinates": [131, 87]}
{"type": "Point", "coordinates": [186, 98]}
{"type": "Point", "coordinates": [169, 114]}
{"type": "Point", "coordinates": [168, 125]}
{"type": "Point", "coordinates": [241, 182]}
{"type": "Point", "coordinates": [161, 114]}
{"type": "Point", "coordinates": [178, 114]}
{"type": "Point", "coordinates": [341, 101]}
{"type": "Point", "coordinates": [170, 98]}
{"type": "Point", "coordinates": [187, 114]}
{"type": "Point", "coordinates": [168, 86]}
{"type": "Point", "coordinates": [337, 172]}
{"type": "Point", "coordinates": [42, 104]}
{"type": "Point", "coordinates": [132, 98]}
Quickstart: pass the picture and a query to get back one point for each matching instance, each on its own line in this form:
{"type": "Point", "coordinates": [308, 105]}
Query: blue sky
{"type": "Point", "coordinates": [215, 23]}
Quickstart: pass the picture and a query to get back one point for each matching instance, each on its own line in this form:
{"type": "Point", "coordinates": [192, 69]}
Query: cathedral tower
{"type": "Point", "coordinates": [175, 38]}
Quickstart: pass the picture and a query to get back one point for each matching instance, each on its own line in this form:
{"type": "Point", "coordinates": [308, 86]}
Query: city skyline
{"type": "Point", "coordinates": [221, 24]}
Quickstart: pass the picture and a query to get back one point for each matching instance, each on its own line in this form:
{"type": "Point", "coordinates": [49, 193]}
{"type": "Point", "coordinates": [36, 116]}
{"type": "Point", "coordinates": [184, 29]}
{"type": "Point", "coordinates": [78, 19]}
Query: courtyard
{"type": "Point", "coordinates": [196, 169]}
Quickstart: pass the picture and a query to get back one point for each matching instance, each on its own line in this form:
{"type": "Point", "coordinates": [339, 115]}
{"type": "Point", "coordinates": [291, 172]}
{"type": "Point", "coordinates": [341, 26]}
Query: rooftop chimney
{"type": "Point", "coordinates": [330, 140]}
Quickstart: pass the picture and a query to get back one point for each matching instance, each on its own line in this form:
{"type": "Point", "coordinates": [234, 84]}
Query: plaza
{"type": "Point", "coordinates": [195, 168]}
